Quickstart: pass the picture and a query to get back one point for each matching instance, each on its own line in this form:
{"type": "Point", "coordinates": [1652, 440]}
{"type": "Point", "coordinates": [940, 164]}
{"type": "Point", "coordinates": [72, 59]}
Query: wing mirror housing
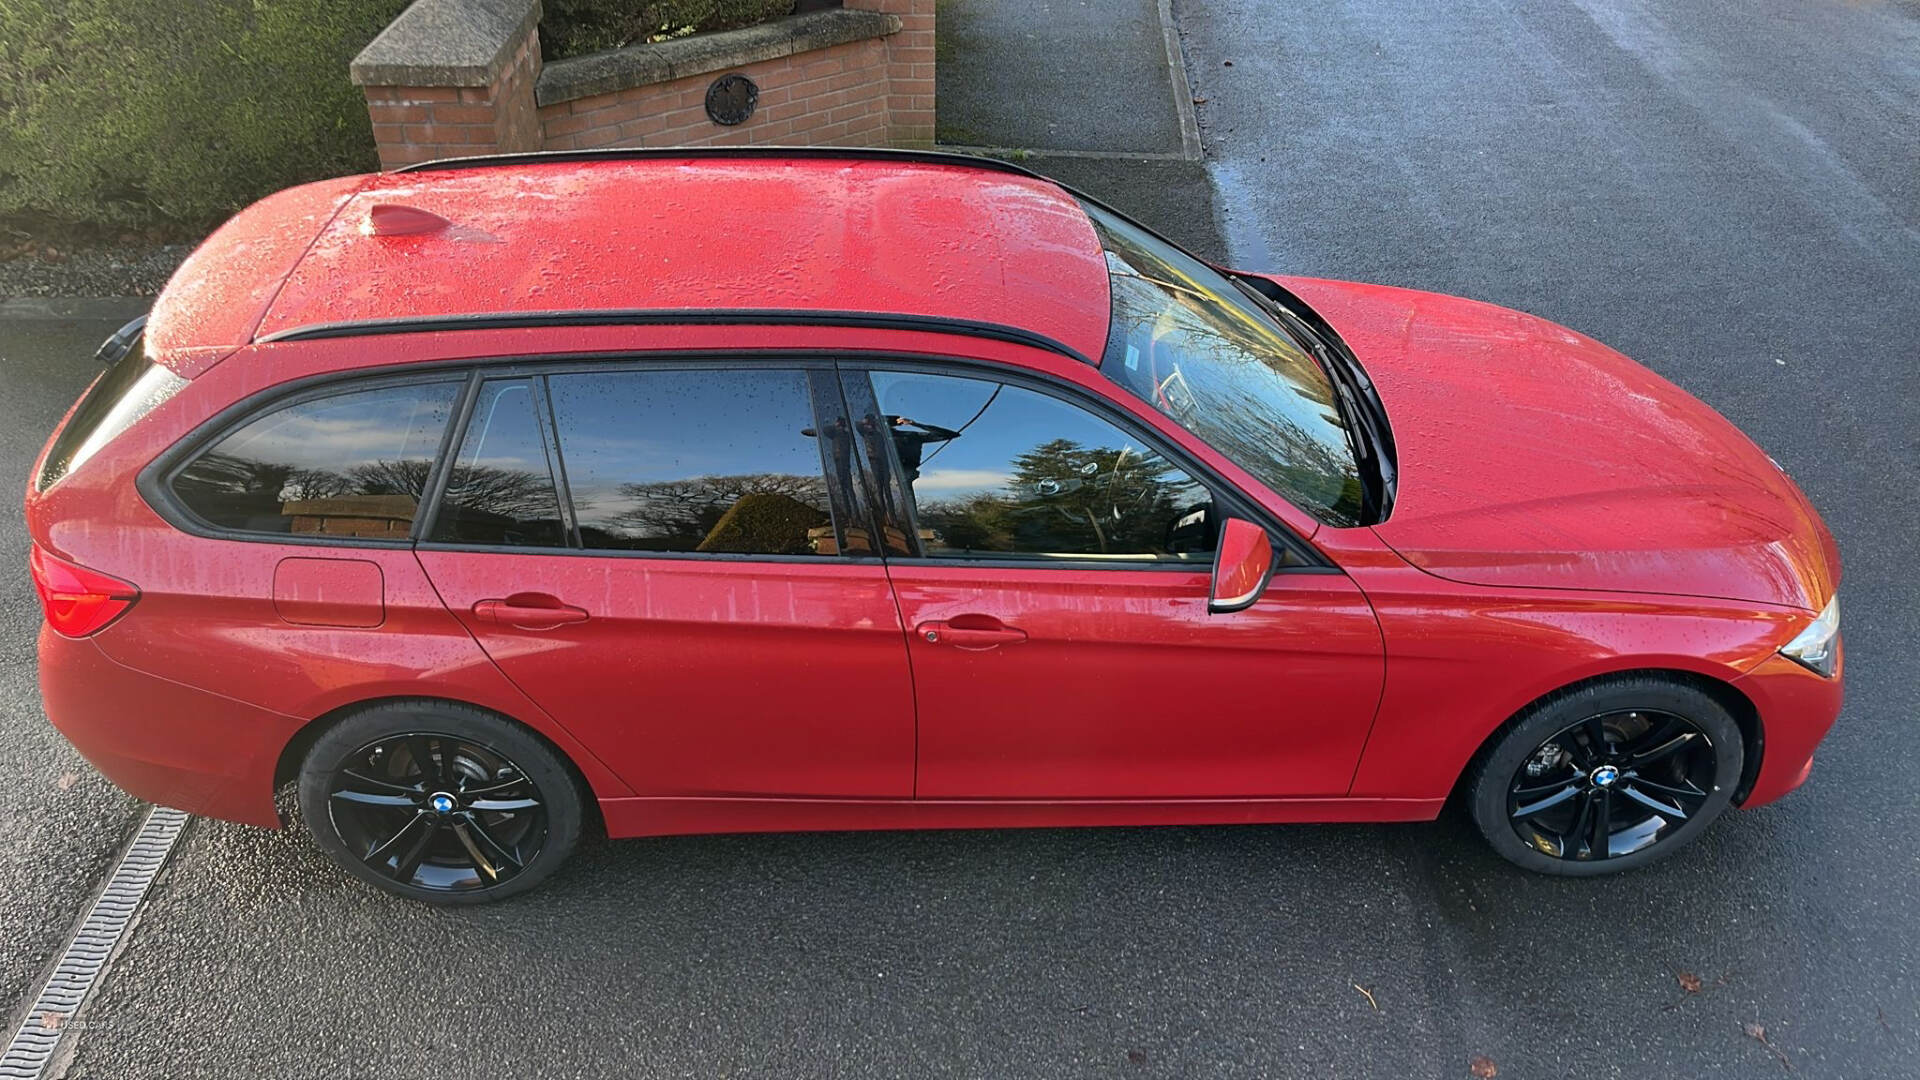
{"type": "Point", "coordinates": [1241, 566]}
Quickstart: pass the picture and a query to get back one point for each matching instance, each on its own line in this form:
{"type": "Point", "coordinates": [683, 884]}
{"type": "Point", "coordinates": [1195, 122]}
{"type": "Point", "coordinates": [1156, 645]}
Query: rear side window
{"type": "Point", "coordinates": [129, 390]}
{"type": "Point", "coordinates": [351, 464]}
{"type": "Point", "coordinates": [502, 490]}
{"type": "Point", "coordinates": [694, 461]}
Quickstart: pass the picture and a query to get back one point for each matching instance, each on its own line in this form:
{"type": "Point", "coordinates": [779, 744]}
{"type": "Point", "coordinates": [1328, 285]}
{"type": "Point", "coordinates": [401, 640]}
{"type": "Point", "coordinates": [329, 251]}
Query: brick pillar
{"type": "Point", "coordinates": [909, 71]}
{"type": "Point", "coordinates": [450, 78]}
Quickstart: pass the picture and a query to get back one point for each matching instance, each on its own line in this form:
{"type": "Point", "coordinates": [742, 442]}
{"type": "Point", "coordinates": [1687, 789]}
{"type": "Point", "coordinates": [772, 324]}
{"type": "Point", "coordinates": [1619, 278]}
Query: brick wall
{"type": "Point", "coordinates": [909, 71]}
{"type": "Point", "coordinates": [850, 79]}
{"type": "Point", "coordinates": [828, 97]}
{"type": "Point", "coordinates": [420, 123]}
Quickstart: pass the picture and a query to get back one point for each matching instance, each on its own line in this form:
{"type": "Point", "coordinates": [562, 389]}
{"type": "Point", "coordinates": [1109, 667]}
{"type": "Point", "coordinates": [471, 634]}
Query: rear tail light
{"type": "Point", "coordinates": [78, 601]}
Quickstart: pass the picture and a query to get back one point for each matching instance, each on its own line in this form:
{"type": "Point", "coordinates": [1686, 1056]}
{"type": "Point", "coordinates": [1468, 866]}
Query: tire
{"type": "Point", "coordinates": [493, 812]}
{"type": "Point", "coordinates": [1663, 740]}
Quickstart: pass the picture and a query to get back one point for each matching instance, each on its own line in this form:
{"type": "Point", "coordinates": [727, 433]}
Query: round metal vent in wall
{"type": "Point", "coordinates": [730, 99]}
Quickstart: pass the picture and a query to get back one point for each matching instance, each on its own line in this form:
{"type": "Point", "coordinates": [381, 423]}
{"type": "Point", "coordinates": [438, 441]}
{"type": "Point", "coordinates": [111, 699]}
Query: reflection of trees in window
{"type": "Point", "coordinates": [1244, 384]}
{"type": "Point", "coordinates": [1067, 499]}
{"type": "Point", "coordinates": [373, 498]}
{"type": "Point", "coordinates": [490, 504]}
{"type": "Point", "coordinates": [753, 513]}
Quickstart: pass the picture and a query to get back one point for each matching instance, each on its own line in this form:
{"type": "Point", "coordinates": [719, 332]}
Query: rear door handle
{"type": "Point", "coordinates": [529, 611]}
{"type": "Point", "coordinates": [970, 632]}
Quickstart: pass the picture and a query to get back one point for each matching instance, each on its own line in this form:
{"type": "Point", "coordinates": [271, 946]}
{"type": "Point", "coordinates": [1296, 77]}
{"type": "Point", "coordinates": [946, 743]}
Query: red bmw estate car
{"type": "Point", "coordinates": [490, 501]}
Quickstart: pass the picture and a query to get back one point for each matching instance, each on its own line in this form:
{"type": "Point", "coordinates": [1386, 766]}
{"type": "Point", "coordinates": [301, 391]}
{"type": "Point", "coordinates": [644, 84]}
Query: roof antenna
{"type": "Point", "coordinates": [394, 219]}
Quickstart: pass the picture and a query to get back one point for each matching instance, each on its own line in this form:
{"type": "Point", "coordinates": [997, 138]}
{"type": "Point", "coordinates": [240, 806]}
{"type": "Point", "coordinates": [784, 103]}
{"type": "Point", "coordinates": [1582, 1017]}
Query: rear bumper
{"type": "Point", "coordinates": [161, 741]}
{"type": "Point", "coordinates": [1796, 708]}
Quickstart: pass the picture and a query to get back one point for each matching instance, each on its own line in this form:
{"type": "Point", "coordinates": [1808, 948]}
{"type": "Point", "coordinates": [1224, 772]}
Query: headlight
{"type": "Point", "coordinates": [1818, 646]}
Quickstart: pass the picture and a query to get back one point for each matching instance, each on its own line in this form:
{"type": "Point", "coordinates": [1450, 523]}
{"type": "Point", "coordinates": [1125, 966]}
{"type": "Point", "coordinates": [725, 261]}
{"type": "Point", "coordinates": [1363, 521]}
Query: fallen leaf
{"type": "Point", "coordinates": [1199, 101]}
{"type": "Point", "coordinates": [1136, 1057]}
{"type": "Point", "coordinates": [1689, 982]}
{"type": "Point", "coordinates": [67, 780]}
{"type": "Point", "coordinates": [50, 1021]}
{"type": "Point", "coordinates": [1759, 1034]}
{"type": "Point", "coordinates": [1483, 1067]}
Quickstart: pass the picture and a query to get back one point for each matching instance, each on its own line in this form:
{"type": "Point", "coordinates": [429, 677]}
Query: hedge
{"type": "Point", "coordinates": [572, 27]}
{"type": "Point", "coordinates": [176, 113]}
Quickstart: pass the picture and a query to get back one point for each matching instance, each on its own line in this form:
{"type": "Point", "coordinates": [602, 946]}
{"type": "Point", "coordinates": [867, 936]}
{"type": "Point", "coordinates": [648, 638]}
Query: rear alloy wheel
{"type": "Point", "coordinates": [1608, 777]}
{"type": "Point", "coordinates": [440, 803]}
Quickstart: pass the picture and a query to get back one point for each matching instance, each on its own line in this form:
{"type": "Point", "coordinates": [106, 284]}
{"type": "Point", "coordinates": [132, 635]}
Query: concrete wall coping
{"type": "Point", "coordinates": [664, 61]}
{"type": "Point", "coordinates": [447, 43]}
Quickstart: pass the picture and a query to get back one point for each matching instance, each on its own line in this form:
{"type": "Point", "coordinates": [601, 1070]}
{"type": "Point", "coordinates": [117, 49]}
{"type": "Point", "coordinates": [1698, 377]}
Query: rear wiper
{"type": "Point", "coordinates": [117, 344]}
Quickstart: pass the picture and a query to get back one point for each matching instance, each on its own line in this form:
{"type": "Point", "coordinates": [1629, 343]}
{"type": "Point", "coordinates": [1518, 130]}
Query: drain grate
{"type": "Point", "coordinates": [79, 968]}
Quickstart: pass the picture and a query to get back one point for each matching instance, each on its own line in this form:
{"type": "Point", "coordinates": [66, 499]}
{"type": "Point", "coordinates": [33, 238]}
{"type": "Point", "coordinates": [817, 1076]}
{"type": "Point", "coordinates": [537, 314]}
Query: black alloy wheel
{"type": "Point", "coordinates": [448, 812]}
{"type": "Point", "coordinates": [437, 812]}
{"type": "Point", "coordinates": [1612, 784]}
{"type": "Point", "coordinates": [1607, 777]}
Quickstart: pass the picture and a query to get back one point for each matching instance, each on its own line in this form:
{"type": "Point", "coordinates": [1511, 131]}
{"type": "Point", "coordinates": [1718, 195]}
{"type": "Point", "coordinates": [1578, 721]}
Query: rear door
{"type": "Point", "coordinates": [656, 555]}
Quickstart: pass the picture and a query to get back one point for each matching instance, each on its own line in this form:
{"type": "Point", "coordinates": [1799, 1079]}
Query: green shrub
{"type": "Point", "coordinates": [176, 113]}
{"type": "Point", "coordinates": [572, 27]}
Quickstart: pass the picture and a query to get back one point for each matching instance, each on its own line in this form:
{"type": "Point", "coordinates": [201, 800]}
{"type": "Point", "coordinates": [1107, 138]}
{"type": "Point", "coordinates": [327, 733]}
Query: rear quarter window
{"type": "Point", "coordinates": [352, 464]}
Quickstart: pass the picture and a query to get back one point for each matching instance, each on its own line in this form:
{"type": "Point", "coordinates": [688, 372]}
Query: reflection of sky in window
{"type": "Point", "coordinates": [981, 459]}
{"type": "Point", "coordinates": [643, 427]}
{"type": "Point", "coordinates": [1243, 385]}
{"type": "Point", "coordinates": [392, 424]}
{"type": "Point", "coordinates": [503, 432]}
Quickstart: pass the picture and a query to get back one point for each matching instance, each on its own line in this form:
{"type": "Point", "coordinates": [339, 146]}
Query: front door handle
{"type": "Point", "coordinates": [529, 611]}
{"type": "Point", "coordinates": [970, 632]}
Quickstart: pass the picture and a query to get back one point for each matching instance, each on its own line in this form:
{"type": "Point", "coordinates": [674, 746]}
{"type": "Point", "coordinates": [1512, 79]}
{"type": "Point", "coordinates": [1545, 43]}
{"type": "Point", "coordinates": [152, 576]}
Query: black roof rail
{"type": "Point", "coordinates": [505, 320]}
{"type": "Point", "coordinates": [777, 153]}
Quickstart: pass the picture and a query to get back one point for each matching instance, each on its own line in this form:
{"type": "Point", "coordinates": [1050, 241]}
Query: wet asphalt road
{"type": "Point", "coordinates": [1711, 193]}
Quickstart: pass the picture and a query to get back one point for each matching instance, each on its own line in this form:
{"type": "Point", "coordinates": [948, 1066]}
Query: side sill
{"type": "Point", "coordinates": [680, 816]}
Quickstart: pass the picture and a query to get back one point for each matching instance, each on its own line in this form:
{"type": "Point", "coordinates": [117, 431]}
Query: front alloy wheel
{"type": "Point", "coordinates": [1612, 784]}
{"type": "Point", "coordinates": [1607, 777]}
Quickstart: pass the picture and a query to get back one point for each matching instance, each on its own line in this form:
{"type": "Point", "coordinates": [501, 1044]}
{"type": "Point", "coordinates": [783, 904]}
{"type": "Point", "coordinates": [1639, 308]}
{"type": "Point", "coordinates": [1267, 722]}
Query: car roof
{"type": "Point", "coordinates": [766, 234]}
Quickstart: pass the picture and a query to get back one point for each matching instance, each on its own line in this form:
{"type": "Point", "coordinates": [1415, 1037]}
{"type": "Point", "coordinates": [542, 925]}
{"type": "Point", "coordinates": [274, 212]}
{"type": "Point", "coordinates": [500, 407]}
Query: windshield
{"type": "Point", "coordinates": [1188, 342]}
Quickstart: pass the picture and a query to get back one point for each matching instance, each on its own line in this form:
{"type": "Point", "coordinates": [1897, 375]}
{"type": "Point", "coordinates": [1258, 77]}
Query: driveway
{"type": "Point", "coordinates": [1731, 197]}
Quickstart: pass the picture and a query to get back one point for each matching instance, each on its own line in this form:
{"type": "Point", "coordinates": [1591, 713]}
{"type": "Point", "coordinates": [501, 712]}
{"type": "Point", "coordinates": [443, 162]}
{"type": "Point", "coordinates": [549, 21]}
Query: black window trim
{"type": "Point", "coordinates": [540, 367]}
{"type": "Point", "coordinates": [442, 474]}
{"type": "Point", "coordinates": [154, 481]}
{"type": "Point", "coordinates": [1229, 498]}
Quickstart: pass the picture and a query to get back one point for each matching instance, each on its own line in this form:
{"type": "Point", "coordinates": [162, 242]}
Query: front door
{"type": "Point", "coordinates": [1056, 607]}
{"type": "Point", "coordinates": [653, 554]}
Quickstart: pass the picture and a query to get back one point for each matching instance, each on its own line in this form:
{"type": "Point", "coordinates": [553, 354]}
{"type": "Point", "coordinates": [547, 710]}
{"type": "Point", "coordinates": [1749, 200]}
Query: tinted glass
{"type": "Point", "coordinates": [998, 470]}
{"type": "Point", "coordinates": [127, 391]}
{"type": "Point", "coordinates": [694, 461]}
{"type": "Point", "coordinates": [501, 490]}
{"type": "Point", "coordinates": [1188, 342]}
{"type": "Point", "coordinates": [353, 464]}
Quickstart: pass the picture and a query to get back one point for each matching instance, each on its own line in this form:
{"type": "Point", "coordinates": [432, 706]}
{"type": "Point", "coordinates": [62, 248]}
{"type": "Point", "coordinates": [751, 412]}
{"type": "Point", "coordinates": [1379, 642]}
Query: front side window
{"type": "Point", "coordinates": [999, 471]}
{"type": "Point", "coordinates": [1185, 340]}
{"type": "Point", "coordinates": [352, 464]}
{"type": "Point", "coordinates": [702, 461]}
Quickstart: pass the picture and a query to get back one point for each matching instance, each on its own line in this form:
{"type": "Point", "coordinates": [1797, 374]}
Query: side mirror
{"type": "Point", "coordinates": [1241, 566]}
